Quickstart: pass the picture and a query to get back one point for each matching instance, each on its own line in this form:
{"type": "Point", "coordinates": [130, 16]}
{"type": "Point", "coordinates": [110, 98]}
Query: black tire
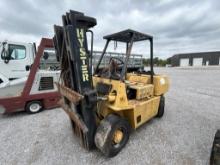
{"type": "Point", "coordinates": [106, 131]}
{"type": "Point", "coordinates": [161, 107]}
{"type": "Point", "coordinates": [33, 107]}
{"type": "Point", "coordinates": [215, 152]}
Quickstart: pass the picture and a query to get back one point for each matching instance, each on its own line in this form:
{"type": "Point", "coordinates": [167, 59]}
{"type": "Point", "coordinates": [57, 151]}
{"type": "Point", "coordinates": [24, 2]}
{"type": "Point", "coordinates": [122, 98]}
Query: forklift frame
{"type": "Point", "coordinates": [129, 37]}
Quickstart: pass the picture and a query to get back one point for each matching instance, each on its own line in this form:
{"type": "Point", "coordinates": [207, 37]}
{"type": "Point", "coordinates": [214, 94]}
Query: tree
{"type": "Point", "coordinates": [156, 61]}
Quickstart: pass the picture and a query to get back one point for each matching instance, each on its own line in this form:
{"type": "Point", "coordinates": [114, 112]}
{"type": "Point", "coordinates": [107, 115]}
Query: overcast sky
{"type": "Point", "coordinates": [178, 26]}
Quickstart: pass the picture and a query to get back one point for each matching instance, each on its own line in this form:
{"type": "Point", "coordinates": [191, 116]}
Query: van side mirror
{"type": "Point", "coordinates": [4, 53]}
{"type": "Point", "coordinates": [46, 55]}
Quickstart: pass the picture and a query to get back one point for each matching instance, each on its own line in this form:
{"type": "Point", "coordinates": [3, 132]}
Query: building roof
{"type": "Point", "coordinates": [195, 54]}
{"type": "Point", "coordinates": [200, 53]}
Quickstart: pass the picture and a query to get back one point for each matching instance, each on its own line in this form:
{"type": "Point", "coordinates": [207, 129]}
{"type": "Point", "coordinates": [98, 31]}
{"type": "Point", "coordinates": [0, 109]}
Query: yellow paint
{"type": "Point", "coordinates": [139, 110]}
{"type": "Point", "coordinates": [111, 98]}
{"type": "Point", "coordinates": [84, 68]}
{"type": "Point", "coordinates": [143, 90]}
{"type": "Point", "coordinates": [118, 136]}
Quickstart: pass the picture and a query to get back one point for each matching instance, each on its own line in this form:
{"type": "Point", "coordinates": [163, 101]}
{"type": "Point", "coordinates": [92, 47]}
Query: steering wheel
{"type": "Point", "coordinates": [112, 70]}
{"type": "Point", "coordinates": [117, 59]}
{"type": "Point", "coordinates": [113, 67]}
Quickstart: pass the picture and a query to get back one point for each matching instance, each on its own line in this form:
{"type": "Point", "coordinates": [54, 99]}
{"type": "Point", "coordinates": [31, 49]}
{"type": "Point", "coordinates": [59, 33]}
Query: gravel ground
{"type": "Point", "coordinates": [183, 136]}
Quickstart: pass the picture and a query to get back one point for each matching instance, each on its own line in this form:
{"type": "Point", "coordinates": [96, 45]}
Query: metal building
{"type": "Point", "coordinates": [195, 59]}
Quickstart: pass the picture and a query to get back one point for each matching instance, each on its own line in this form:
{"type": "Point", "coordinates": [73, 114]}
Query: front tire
{"type": "Point", "coordinates": [161, 107]}
{"type": "Point", "coordinates": [112, 135]}
{"type": "Point", "coordinates": [33, 107]}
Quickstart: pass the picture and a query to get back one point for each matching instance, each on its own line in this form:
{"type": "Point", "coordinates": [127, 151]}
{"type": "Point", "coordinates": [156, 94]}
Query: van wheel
{"type": "Point", "coordinates": [112, 135]}
{"type": "Point", "coordinates": [161, 107]}
{"type": "Point", "coordinates": [34, 107]}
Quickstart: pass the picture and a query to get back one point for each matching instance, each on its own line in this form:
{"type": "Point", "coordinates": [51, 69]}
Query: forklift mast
{"type": "Point", "coordinates": [71, 46]}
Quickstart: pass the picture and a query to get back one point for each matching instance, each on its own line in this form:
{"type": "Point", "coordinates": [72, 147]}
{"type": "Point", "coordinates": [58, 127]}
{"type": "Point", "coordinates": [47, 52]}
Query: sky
{"type": "Point", "coordinates": [178, 26]}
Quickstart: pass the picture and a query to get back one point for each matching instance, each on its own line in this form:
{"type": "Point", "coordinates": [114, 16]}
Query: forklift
{"type": "Point", "coordinates": [104, 107]}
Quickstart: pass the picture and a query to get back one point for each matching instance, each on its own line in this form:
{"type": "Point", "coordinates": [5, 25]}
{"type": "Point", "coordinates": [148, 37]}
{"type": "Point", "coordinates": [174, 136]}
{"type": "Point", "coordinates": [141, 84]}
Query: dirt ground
{"type": "Point", "coordinates": [183, 136]}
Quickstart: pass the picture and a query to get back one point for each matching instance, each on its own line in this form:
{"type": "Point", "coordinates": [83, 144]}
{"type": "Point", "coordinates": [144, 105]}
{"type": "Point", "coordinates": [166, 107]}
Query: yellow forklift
{"type": "Point", "coordinates": [105, 106]}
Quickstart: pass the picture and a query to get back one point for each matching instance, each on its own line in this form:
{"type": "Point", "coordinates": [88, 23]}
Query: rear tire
{"type": "Point", "coordinates": [215, 152]}
{"type": "Point", "coordinates": [112, 135]}
{"type": "Point", "coordinates": [161, 107]}
{"type": "Point", "coordinates": [33, 107]}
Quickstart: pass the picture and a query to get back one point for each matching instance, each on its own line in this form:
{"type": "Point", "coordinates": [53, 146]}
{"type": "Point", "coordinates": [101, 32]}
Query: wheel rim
{"type": "Point", "coordinates": [35, 107]}
{"type": "Point", "coordinates": [117, 137]}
